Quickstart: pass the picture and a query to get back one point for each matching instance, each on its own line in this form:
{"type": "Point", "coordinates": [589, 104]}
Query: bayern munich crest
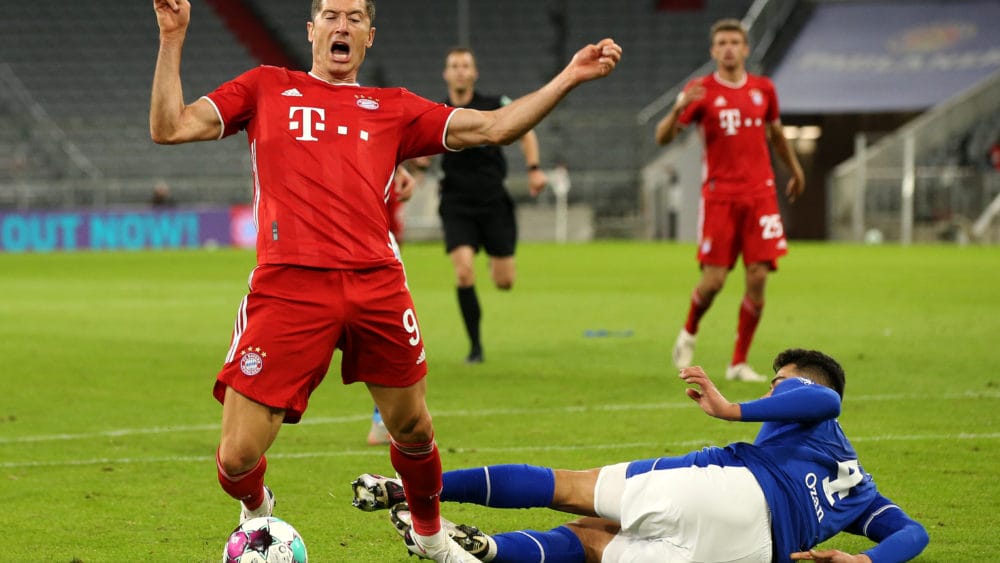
{"type": "Point", "coordinates": [367, 103]}
{"type": "Point", "coordinates": [252, 361]}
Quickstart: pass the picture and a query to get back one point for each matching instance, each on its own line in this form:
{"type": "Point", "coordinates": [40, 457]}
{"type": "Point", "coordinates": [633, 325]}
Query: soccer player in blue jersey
{"type": "Point", "coordinates": [799, 484]}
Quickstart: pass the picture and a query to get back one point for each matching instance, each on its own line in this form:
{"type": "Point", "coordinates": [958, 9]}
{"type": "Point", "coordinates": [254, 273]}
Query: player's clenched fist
{"type": "Point", "coordinates": [172, 15]}
{"type": "Point", "coordinates": [596, 61]}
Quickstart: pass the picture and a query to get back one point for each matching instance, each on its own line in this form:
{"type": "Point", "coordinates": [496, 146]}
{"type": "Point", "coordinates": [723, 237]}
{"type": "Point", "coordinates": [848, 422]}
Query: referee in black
{"type": "Point", "coordinates": [476, 209]}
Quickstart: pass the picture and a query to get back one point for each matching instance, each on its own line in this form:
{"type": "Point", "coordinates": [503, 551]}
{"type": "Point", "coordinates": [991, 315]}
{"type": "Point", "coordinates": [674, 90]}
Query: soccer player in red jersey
{"type": "Point", "coordinates": [323, 155]}
{"type": "Point", "coordinates": [738, 114]}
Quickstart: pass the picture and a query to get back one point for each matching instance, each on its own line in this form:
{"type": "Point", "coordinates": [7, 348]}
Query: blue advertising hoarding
{"type": "Point", "coordinates": [870, 57]}
{"type": "Point", "coordinates": [114, 230]}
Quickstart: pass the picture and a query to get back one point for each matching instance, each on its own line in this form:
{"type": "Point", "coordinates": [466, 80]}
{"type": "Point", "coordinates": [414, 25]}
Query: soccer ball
{"type": "Point", "coordinates": [873, 236]}
{"type": "Point", "coordinates": [265, 540]}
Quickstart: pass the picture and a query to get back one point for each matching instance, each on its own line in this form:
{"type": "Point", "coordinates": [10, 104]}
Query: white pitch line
{"type": "Point", "coordinates": [117, 433]}
{"type": "Point", "coordinates": [380, 452]}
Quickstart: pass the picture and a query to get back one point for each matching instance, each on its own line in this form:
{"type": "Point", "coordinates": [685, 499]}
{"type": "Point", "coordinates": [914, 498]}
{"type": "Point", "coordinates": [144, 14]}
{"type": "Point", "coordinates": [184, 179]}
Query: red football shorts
{"type": "Point", "coordinates": [749, 226]}
{"type": "Point", "coordinates": [292, 320]}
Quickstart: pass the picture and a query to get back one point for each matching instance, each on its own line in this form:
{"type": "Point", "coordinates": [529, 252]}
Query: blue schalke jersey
{"type": "Point", "coordinates": [808, 470]}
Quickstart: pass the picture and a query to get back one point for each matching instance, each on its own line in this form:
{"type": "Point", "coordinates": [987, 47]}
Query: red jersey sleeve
{"type": "Point", "coordinates": [425, 126]}
{"type": "Point", "coordinates": [236, 101]}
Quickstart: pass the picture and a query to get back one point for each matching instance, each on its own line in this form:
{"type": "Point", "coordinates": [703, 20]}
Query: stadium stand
{"type": "Point", "coordinates": [88, 66]}
{"type": "Point", "coordinates": [75, 78]}
{"type": "Point", "coordinates": [519, 43]}
{"type": "Point", "coordinates": [663, 47]}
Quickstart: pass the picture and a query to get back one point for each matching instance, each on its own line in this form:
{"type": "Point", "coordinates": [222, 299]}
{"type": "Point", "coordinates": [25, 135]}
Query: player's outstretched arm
{"type": "Point", "coordinates": [899, 538]}
{"type": "Point", "coordinates": [170, 120]}
{"type": "Point", "coordinates": [793, 400]}
{"type": "Point", "coordinates": [472, 128]}
{"type": "Point", "coordinates": [708, 396]}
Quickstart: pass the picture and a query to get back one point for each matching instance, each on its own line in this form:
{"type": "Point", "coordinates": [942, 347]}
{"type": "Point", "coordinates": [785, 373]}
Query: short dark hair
{"type": "Point", "coordinates": [815, 365]}
{"type": "Point", "coordinates": [459, 50]}
{"type": "Point", "coordinates": [317, 5]}
{"type": "Point", "coordinates": [728, 24]}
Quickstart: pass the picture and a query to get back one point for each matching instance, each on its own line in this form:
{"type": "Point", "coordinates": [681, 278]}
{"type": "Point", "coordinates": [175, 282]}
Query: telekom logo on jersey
{"type": "Point", "coordinates": [729, 119]}
{"type": "Point", "coordinates": [309, 120]}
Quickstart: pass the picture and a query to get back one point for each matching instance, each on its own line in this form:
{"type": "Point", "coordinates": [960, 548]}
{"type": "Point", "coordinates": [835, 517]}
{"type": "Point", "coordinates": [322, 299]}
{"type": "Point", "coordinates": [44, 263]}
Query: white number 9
{"type": "Point", "coordinates": [410, 324]}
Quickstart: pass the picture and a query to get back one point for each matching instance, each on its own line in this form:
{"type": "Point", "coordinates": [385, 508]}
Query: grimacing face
{"type": "Point", "coordinates": [340, 33]}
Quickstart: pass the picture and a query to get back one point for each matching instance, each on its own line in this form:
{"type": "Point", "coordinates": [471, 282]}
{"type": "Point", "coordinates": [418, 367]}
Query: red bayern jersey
{"type": "Point", "coordinates": [323, 159]}
{"type": "Point", "coordinates": [734, 119]}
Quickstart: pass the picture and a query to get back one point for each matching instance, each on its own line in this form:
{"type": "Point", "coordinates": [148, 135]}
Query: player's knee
{"type": "Point", "coordinates": [574, 490]}
{"type": "Point", "coordinates": [710, 287]}
{"type": "Point", "coordinates": [503, 274]}
{"type": "Point", "coordinates": [756, 279]}
{"type": "Point", "coordinates": [465, 277]}
{"type": "Point", "coordinates": [594, 534]}
{"type": "Point", "coordinates": [235, 461]}
{"type": "Point", "coordinates": [415, 428]}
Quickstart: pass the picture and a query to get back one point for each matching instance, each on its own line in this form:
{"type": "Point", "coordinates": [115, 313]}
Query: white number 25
{"type": "Point", "coordinates": [771, 226]}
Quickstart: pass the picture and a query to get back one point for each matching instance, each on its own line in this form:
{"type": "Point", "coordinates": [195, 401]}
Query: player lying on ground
{"type": "Point", "coordinates": [798, 484]}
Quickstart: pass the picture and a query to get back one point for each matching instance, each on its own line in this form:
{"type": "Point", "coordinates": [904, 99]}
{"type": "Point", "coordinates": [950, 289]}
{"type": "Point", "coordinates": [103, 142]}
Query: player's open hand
{"type": "Point", "coordinates": [829, 556]}
{"type": "Point", "coordinates": [708, 396]}
{"type": "Point", "coordinates": [694, 92]}
{"type": "Point", "coordinates": [172, 16]}
{"type": "Point", "coordinates": [595, 61]}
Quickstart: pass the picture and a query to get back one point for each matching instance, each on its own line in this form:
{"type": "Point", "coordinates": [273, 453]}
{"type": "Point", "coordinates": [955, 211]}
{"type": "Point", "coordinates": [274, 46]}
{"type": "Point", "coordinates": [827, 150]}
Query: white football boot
{"type": "Point", "coordinates": [440, 547]}
{"type": "Point", "coordinates": [378, 435]}
{"type": "Point", "coordinates": [683, 353]}
{"type": "Point", "coordinates": [375, 492]}
{"type": "Point", "coordinates": [743, 372]}
{"type": "Point", "coordinates": [481, 545]}
{"type": "Point", "coordinates": [266, 508]}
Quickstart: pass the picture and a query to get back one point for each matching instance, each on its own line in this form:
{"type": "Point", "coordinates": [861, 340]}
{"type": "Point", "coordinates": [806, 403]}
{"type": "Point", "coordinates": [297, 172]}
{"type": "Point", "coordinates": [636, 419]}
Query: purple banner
{"type": "Point", "coordinates": [114, 230]}
{"type": "Point", "coordinates": [888, 56]}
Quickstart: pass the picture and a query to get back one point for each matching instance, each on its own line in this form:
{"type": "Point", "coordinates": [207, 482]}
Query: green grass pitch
{"type": "Point", "coordinates": [108, 427]}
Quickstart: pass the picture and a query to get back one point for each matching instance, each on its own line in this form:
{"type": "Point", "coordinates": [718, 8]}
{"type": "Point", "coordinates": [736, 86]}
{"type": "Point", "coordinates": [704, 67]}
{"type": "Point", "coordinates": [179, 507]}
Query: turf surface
{"type": "Point", "coordinates": [108, 428]}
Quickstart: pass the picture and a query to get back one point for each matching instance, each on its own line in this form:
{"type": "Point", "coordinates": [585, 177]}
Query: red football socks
{"type": "Point", "coordinates": [247, 487]}
{"type": "Point", "coordinates": [698, 308]}
{"type": "Point", "coordinates": [749, 318]}
{"type": "Point", "coordinates": [419, 467]}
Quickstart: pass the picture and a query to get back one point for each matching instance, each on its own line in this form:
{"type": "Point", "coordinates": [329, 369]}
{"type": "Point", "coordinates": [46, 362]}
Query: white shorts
{"type": "Point", "coordinates": [705, 514]}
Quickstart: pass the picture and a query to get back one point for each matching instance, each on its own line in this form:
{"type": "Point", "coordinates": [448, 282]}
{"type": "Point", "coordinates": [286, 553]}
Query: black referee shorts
{"type": "Point", "coordinates": [492, 226]}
